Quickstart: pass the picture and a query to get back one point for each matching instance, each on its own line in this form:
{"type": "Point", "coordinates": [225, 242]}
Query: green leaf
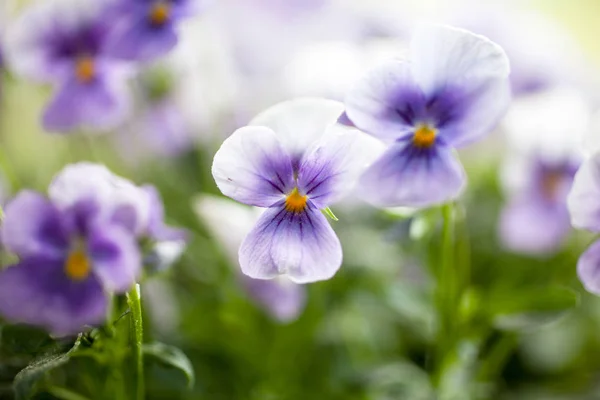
{"type": "Point", "coordinates": [530, 308]}
{"type": "Point", "coordinates": [172, 357]}
{"type": "Point", "coordinates": [25, 382]}
{"type": "Point", "coordinates": [327, 211]}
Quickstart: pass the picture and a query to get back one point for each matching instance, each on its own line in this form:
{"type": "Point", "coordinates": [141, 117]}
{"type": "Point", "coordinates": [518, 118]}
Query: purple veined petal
{"type": "Point", "coordinates": [281, 298]}
{"type": "Point", "coordinates": [409, 176]}
{"type": "Point", "coordinates": [136, 39]}
{"type": "Point", "coordinates": [252, 167]}
{"type": "Point", "coordinates": [300, 122]}
{"type": "Point", "coordinates": [584, 199]}
{"type": "Point", "coordinates": [588, 268]}
{"type": "Point", "coordinates": [101, 104]}
{"type": "Point", "coordinates": [443, 56]}
{"type": "Point", "coordinates": [32, 226]}
{"type": "Point", "coordinates": [386, 103]}
{"type": "Point", "coordinates": [119, 200]}
{"type": "Point", "coordinates": [531, 226]}
{"type": "Point", "coordinates": [38, 292]}
{"type": "Point", "coordinates": [302, 246]}
{"type": "Point", "coordinates": [115, 257]}
{"type": "Point", "coordinates": [332, 166]}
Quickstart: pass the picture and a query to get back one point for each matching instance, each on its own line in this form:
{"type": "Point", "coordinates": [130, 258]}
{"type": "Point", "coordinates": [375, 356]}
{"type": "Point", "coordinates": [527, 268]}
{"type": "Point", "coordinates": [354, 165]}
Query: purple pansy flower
{"type": "Point", "coordinates": [230, 222]}
{"type": "Point", "coordinates": [294, 160]}
{"type": "Point", "coordinates": [584, 207]}
{"type": "Point", "coordinates": [147, 29]}
{"type": "Point", "coordinates": [63, 42]}
{"type": "Point", "coordinates": [451, 92]}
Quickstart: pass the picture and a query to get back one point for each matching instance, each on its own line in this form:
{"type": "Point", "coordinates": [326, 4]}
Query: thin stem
{"type": "Point", "coordinates": [135, 304]}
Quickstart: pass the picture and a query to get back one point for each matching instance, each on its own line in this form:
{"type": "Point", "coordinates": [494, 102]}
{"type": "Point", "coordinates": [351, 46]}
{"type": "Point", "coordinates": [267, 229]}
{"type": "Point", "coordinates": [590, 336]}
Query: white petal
{"type": "Point", "coordinates": [584, 199]}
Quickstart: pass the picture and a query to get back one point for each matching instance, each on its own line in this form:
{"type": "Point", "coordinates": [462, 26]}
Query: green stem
{"type": "Point", "coordinates": [135, 304]}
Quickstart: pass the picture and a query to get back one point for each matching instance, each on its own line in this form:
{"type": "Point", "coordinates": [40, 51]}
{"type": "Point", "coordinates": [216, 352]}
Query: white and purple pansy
{"type": "Point", "coordinates": [75, 247]}
{"type": "Point", "coordinates": [147, 29]}
{"type": "Point", "coordinates": [63, 42]}
{"type": "Point", "coordinates": [453, 90]}
{"type": "Point", "coordinates": [293, 160]}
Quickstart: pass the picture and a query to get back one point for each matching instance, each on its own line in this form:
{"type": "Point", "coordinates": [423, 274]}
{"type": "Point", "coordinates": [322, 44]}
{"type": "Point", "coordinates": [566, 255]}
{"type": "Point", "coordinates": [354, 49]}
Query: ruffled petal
{"type": "Point", "coordinates": [584, 199]}
{"type": "Point", "coordinates": [387, 103]}
{"type": "Point", "coordinates": [33, 226]}
{"type": "Point", "coordinates": [408, 176]}
{"type": "Point", "coordinates": [588, 268]}
{"type": "Point", "coordinates": [253, 168]}
{"type": "Point", "coordinates": [282, 299]}
{"type": "Point", "coordinates": [331, 167]}
{"type": "Point", "coordinates": [530, 226]}
{"type": "Point", "coordinates": [299, 123]}
{"type": "Point", "coordinates": [300, 245]}
{"type": "Point", "coordinates": [38, 292]}
{"type": "Point", "coordinates": [100, 104]}
{"type": "Point", "coordinates": [115, 257]}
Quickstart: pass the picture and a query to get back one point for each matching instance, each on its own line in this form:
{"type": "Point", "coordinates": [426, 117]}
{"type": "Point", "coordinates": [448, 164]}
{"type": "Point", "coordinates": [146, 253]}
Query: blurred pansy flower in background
{"type": "Point", "coordinates": [63, 42]}
{"type": "Point", "coordinates": [229, 223]}
{"type": "Point", "coordinates": [451, 92]}
{"type": "Point", "coordinates": [294, 160]}
{"type": "Point", "coordinates": [147, 29]}
{"type": "Point", "coordinates": [545, 132]}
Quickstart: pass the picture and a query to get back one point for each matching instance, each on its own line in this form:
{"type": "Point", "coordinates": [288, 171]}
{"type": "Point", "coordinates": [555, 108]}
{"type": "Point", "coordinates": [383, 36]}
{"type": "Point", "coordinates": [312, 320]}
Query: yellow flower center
{"type": "Point", "coordinates": [77, 266]}
{"type": "Point", "coordinates": [85, 69]}
{"type": "Point", "coordinates": [424, 136]}
{"type": "Point", "coordinates": [295, 202]}
{"type": "Point", "coordinates": [551, 182]}
{"type": "Point", "coordinates": [160, 13]}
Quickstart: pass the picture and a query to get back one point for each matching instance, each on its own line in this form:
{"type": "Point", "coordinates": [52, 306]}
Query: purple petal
{"type": "Point", "coordinates": [253, 168]}
{"type": "Point", "coordinates": [281, 298]}
{"type": "Point", "coordinates": [101, 104]}
{"type": "Point", "coordinates": [115, 256]}
{"type": "Point", "coordinates": [32, 225]}
{"type": "Point", "coordinates": [300, 245]}
{"type": "Point", "coordinates": [157, 229]}
{"type": "Point", "coordinates": [138, 40]}
{"type": "Point", "coordinates": [588, 268]}
{"type": "Point", "coordinates": [415, 177]}
{"type": "Point", "coordinates": [332, 167]}
{"type": "Point", "coordinates": [387, 102]}
{"type": "Point", "coordinates": [531, 226]}
{"type": "Point", "coordinates": [584, 199]}
{"type": "Point", "coordinates": [38, 292]}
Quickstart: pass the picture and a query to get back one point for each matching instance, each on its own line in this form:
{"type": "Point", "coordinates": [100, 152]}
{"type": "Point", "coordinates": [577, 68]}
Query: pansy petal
{"type": "Point", "coordinates": [38, 292]}
{"type": "Point", "coordinates": [157, 229]}
{"type": "Point", "coordinates": [115, 257]}
{"type": "Point", "coordinates": [282, 299]}
{"type": "Point", "coordinates": [137, 39]}
{"type": "Point", "coordinates": [100, 104]}
{"type": "Point", "coordinates": [409, 176]}
{"type": "Point", "coordinates": [32, 225]}
{"type": "Point", "coordinates": [301, 245]}
{"type": "Point", "coordinates": [588, 268]}
{"type": "Point", "coordinates": [299, 123]}
{"type": "Point", "coordinates": [387, 102]}
{"type": "Point", "coordinates": [530, 227]}
{"type": "Point", "coordinates": [331, 167]}
{"type": "Point", "coordinates": [443, 56]}
{"type": "Point", "coordinates": [252, 167]}
{"type": "Point", "coordinates": [583, 200]}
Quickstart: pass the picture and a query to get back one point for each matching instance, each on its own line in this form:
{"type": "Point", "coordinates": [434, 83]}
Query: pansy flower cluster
{"type": "Point", "coordinates": [76, 247]}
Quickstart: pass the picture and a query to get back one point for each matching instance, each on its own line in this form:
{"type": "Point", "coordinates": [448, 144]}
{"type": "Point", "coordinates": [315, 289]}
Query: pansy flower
{"type": "Point", "coordinates": [452, 91]}
{"type": "Point", "coordinates": [293, 160]}
{"type": "Point", "coordinates": [584, 207]}
{"type": "Point", "coordinates": [229, 223]}
{"type": "Point", "coordinates": [72, 250]}
{"type": "Point", "coordinates": [63, 42]}
{"type": "Point", "coordinates": [544, 132]}
{"type": "Point", "coordinates": [146, 29]}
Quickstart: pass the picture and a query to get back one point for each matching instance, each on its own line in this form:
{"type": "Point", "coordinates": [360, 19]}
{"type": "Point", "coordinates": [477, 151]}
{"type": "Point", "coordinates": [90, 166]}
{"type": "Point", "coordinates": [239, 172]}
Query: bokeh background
{"type": "Point", "coordinates": [525, 327]}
